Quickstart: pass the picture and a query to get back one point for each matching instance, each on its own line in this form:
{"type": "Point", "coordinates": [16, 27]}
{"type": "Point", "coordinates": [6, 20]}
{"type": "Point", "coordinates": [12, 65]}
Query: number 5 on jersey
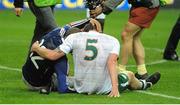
{"type": "Point", "coordinates": [91, 50]}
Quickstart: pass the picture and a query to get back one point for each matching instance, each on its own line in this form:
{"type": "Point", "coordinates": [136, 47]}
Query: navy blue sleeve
{"type": "Point", "coordinates": [52, 40]}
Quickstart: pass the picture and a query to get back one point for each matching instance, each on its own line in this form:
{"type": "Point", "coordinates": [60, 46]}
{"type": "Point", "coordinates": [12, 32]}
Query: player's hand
{"type": "Point", "coordinates": [18, 11]}
{"type": "Point", "coordinates": [114, 92]}
{"type": "Point", "coordinates": [35, 46]}
{"type": "Point", "coordinates": [97, 11]}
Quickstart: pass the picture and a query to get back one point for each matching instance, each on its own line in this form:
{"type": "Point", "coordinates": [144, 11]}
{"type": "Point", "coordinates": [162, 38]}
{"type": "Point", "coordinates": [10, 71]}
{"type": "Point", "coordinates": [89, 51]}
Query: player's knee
{"type": "Point", "coordinates": [125, 36]}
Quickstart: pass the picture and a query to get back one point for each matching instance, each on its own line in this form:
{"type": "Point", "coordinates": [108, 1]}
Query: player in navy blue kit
{"type": "Point", "coordinates": [37, 71]}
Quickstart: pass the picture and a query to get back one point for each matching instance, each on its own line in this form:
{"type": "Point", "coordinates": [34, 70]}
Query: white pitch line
{"type": "Point", "coordinates": [154, 62]}
{"type": "Point", "coordinates": [155, 49]}
{"type": "Point", "coordinates": [160, 95]}
{"type": "Point", "coordinates": [17, 69]}
{"type": "Point", "coordinates": [9, 68]}
{"type": "Point", "coordinates": [13, 41]}
{"type": "Point", "coordinates": [151, 63]}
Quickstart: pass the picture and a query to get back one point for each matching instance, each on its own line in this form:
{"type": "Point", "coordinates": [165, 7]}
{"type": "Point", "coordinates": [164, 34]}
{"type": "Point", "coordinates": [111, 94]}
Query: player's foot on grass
{"type": "Point", "coordinates": [45, 90]}
{"type": "Point", "coordinates": [171, 57]}
{"type": "Point", "coordinates": [138, 76]}
{"type": "Point", "coordinates": [152, 80]}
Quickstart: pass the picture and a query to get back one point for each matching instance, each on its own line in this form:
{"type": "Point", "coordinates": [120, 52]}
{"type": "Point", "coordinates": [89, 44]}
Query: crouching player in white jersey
{"type": "Point", "coordinates": [95, 58]}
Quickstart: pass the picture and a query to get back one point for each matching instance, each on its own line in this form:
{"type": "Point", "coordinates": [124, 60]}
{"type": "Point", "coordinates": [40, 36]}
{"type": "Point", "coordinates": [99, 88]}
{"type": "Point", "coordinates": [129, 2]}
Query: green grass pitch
{"type": "Point", "coordinates": [15, 37]}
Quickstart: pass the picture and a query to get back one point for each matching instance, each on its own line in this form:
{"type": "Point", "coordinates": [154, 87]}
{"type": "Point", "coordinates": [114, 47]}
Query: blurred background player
{"type": "Point", "coordinates": [170, 50]}
{"type": "Point", "coordinates": [45, 20]}
{"type": "Point", "coordinates": [95, 57]}
{"type": "Point", "coordinates": [91, 5]}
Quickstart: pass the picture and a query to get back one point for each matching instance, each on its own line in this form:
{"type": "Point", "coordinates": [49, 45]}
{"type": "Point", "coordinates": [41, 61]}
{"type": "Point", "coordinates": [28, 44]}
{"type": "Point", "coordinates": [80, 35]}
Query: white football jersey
{"type": "Point", "coordinates": [90, 54]}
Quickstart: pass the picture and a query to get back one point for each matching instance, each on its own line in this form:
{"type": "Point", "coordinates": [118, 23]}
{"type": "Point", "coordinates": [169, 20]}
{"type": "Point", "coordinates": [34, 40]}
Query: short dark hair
{"type": "Point", "coordinates": [88, 27]}
{"type": "Point", "coordinates": [71, 31]}
{"type": "Point", "coordinates": [93, 25]}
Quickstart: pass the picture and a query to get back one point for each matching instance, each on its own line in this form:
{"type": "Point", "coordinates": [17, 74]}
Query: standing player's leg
{"type": "Point", "coordinates": [139, 55]}
{"type": "Point", "coordinates": [128, 33]}
{"type": "Point", "coordinates": [170, 50]}
{"type": "Point", "coordinates": [45, 21]}
{"type": "Point", "coordinates": [140, 17]}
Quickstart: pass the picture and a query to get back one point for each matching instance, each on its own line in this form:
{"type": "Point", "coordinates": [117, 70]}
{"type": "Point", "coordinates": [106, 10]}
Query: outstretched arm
{"type": "Point", "coordinates": [46, 53]}
{"type": "Point", "coordinates": [112, 62]}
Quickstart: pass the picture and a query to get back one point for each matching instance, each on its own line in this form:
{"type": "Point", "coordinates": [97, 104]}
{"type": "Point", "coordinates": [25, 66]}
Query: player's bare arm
{"type": "Point", "coordinates": [18, 11]}
{"type": "Point", "coordinates": [106, 7]}
{"type": "Point", "coordinates": [46, 53]}
{"type": "Point", "coordinates": [18, 4]}
{"type": "Point", "coordinates": [112, 62]}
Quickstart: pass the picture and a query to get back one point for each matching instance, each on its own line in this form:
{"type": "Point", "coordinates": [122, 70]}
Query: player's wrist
{"type": "Point", "coordinates": [115, 86]}
{"type": "Point", "coordinates": [35, 47]}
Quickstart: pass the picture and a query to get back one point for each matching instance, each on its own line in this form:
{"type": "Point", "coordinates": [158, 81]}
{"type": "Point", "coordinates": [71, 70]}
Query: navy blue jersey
{"type": "Point", "coordinates": [37, 70]}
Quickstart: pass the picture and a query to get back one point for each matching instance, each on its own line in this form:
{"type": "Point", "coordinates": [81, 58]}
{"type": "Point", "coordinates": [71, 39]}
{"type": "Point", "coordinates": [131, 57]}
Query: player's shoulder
{"type": "Point", "coordinates": [76, 34]}
{"type": "Point", "coordinates": [110, 37]}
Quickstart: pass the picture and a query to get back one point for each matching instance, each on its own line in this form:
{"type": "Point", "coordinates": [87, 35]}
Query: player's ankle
{"type": "Point", "coordinates": [121, 68]}
{"type": "Point", "coordinates": [141, 69]}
